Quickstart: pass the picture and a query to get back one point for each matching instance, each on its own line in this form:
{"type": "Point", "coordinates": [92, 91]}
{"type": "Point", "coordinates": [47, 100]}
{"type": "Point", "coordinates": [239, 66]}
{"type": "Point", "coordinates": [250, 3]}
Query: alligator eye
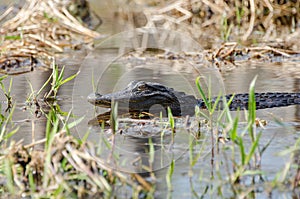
{"type": "Point", "coordinates": [141, 87]}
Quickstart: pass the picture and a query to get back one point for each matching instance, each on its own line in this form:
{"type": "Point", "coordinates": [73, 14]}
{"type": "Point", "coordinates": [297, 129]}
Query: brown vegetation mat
{"type": "Point", "coordinates": [38, 31]}
{"type": "Point", "coordinates": [67, 168]}
{"type": "Point", "coordinates": [226, 57]}
{"type": "Point", "coordinates": [230, 55]}
{"type": "Point", "coordinates": [213, 22]}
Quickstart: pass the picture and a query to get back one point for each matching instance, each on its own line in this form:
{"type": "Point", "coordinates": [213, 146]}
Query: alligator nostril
{"type": "Point", "coordinates": [92, 98]}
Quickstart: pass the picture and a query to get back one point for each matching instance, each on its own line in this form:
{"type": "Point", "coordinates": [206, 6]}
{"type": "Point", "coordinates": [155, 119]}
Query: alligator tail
{"type": "Point", "coordinates": [263, 100]}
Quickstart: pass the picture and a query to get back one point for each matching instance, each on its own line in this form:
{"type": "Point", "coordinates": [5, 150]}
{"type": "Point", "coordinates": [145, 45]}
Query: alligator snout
{"type": "Point", "coordinates": [93, 97]}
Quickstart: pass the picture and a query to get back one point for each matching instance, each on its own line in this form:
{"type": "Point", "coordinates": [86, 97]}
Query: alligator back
{"type": "Point", "coordinates": [186, 104]}
{"type": "Point", "coordinates": [263, 100]}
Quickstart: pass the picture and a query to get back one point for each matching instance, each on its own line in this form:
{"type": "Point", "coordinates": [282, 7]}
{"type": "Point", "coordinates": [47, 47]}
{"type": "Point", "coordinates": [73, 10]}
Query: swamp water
{"type": "Point", "coordinates": [109, 74]}
{"type": "Point", "coordinates": [130, 146]}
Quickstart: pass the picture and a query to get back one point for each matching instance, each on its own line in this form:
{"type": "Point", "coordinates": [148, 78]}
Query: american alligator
{"type": "Point", "coordinates": [141, 96]}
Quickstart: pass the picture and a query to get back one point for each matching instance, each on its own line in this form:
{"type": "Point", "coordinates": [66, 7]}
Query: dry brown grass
{"type": "Point", "coordinates": [38, 31]}
{"type": "Point", "coordinates": [213, 22]}
{"type": "Point", "coordinates": [74, 170]}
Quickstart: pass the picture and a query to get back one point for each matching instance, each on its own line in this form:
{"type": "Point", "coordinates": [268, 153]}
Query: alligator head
{"type": "Point", "coordinates": [150, 97]}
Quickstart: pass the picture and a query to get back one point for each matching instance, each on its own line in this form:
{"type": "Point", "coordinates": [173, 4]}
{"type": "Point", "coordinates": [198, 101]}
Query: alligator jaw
{"type": "Point", "coordinates": [99, 100]}
{"type": "Point", "coordinates": [105, 101]}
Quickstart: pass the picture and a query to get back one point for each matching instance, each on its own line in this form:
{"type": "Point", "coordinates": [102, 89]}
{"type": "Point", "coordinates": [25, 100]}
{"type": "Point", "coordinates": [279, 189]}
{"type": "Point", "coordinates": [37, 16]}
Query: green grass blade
{"type": "Point", "coordinates": [171, 119]}
{"type": "Point", "coordinates": [226, 109]}
{"type": "Point", "coordinates": [252, 173]}
{"type": "Point", "coordinates": [69, 78]}
{"type": "Point", "coordinates": [32, 184]}
{"type": "Point", "coordinates": [242, 150]}
{"type": "Point", "coordinates": [267, 144]}
{"type": "Point", "coordinates": [114, 117]}
{"type": "Point", "coordinates": [60, 74]}
{"type": "Point", "coordinates": [169, 175]}
{"type": "Point", "coordinates": [253, 148]}
{"type": "Point", "coordinates": [252, 109]}
{"type": "Point", "coordinates": [216, 103]}
{"type": "Point", "coordinates": [44, 85]}
{"type": "Point", "coordinates": [8, 135]}
{"type": "Point", "coordinates": [151, 152]}
{"type": "Point", "coordinates": [85, 137]}
{"type": "Point", "coordinates": [202, 94]}
{"type": "Point", "coordinates": [233, 132]}
{"type": "Point", "coordinates": [3, 77]}
{"type": "Point", "coordinates": [75, 123]}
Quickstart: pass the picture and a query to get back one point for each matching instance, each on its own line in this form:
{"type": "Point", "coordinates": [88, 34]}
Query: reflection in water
{"type": "Point", "coordinates": [27, 116]}
{"type": "Point", "coordinates": [142, 147]}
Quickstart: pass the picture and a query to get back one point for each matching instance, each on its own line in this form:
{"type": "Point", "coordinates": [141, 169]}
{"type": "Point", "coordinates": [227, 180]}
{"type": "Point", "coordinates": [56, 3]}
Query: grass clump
{"type": "Point", "coordinates": [67, 167]}
{"type": "Point", "coordinates": [57, 80]}
{"type": "Point", "coordinates": [236, 167]}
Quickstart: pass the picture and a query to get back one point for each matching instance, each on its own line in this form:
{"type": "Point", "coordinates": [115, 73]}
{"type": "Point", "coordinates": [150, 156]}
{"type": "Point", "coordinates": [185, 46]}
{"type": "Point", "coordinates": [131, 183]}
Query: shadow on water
{"type": "Point", "coordinates": [32, 126]}
{"type": "Point", "coordinates": [26, 114]}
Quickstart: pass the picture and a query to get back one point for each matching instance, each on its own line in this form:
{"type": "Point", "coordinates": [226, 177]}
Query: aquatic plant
{"type": "Point", "coordinates": [7, 129]}
{"type": "Point", "coordinates": [7, 91]}
{"type": "Point", "coordinates": [171, 120]}
{"type": "Point", "coordinates": [66, 168]}
{"type": "Point", "coordinates": [244, 159]}
{"type": "Point", "coordinates": [225, 29]}
{"type": "Point", "coordinates": [57, 80]}
{"type": "Point", "coordinates": [169, 175]}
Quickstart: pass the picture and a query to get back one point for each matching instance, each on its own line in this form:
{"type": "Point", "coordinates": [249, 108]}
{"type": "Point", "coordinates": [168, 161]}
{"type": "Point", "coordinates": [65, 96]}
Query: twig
{"type": "Point", "coordinates": [49, 43]}
{"type": "Point", "coordinates": [6, 13]}
{"type": "Point", "coordinates": [252, 19]}
{"type": "Point", "coordinates": [42, 140]}
{"type": "Point", "coordinates": [267, 2]}
{"type": "Point", "coordinates": [69, 24]}
{"type": "Point", "coordinates": [268, 48]}
{"type": "Point", "coordinates": [213, 6]}
{"type": "Point", "coordinates": [229, 52]}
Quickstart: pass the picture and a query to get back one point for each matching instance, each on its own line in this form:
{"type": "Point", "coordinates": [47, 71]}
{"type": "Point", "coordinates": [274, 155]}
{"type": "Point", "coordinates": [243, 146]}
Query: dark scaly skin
{"type": "Point", "coordinates": [140, 96]}
{"type": "Point", "coordinates": [263, 100]}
